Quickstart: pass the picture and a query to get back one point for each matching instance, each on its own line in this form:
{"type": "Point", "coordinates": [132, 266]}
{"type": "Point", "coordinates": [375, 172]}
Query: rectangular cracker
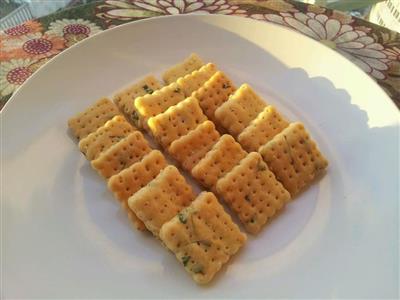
{"type": "Point", "coordinates": [223, 156]}
{"type": "Point", "coordinates": [214, 93]}
{"type": "Point", "coordinates": [161, 199]}
{"type": "Point", "coordinates": [294, 158]}
{"type": "Point", "coordinates": [125, 99]}
{"type": "Point", "coordinates": [196, 79]}
{"type": "Point", "coordinates": [153, 104]}
{"type": "Point", "coordinates": [242, 107]}
{"type": "Point", "coordinates": [262, 129]}
{"type": "Point", "coordinates": [189, 149]}
{"type": "Point", "coordinates": [203, 237]}
{"type": "Point", "coordinates": [252, 191]}
{"type": "Point", "coordinates": [121, 155]}
{"type": "Point", "coordinates": [176, 121]}
{"type": "Point", "coordinates": [130, 180]}
{"type": "Point", "coordinates": [190, 64]}
{"type": "Point", "coordinates": [92, 118]}
{"type": "Point", "coordinates": [110, 133]}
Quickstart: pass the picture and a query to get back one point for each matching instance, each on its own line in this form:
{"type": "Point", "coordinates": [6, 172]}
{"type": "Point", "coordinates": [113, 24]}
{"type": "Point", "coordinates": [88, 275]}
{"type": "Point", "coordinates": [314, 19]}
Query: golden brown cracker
{"type": "Point", "coordinates": [294, 158]}
{"type": "Point", "coordinates": [203, 237]}
{"type": "Point", "coordinates": [176, 121]}
{"type": "Point", "coordinates": [92, 118]}
{"type": "Point", "coordinates": [189, 149]}
{"type": "Point", "coordinates": [242, 107]}
{"type": "Point", "coordinates": [196, 79]}
{"type": "Point", "coordinates": [161, 199]}
{"type": "Point", "coordinates": [223, 156]}
{"type": "Point", "coordinates": [130, 180]}
{"type": "Point", "coordinates": [262, 129]}
{"type": "Point", "coordinates": [127, 182]}
{"type": "Point", "coordinates": [214, 93]}
{"type": "Point", "coordinates": [121, 155]}
{"type": "Point", "coordinates": [252, 191]}
{"type": "Point", "coordinates": [153, 104]}
{"type": "Point", "coordinates": [190, 64]}
{"type": "Point", "coordinates": [110, 133]}
{"type": "Point", "coordinates": [125, 99]}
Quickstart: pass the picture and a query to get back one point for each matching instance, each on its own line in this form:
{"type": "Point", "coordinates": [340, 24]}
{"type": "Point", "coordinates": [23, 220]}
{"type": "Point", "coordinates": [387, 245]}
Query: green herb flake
{"type": "Point", "coordinates": [198, 269]}
{"type": "Point", "coordinates": [261, 166]}
{"type": "Point", "coordinates": [182, 218]}
{"type": "Point", "coordinates": [152, 184]}
{"type": "Point", "coordinates": [147, 89]}
{"type": "Point", "coordinates": [135, 118]}
{"type": "Point", "coordinates": [185, 260]}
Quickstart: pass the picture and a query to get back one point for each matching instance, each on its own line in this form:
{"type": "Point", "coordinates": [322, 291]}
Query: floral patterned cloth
{"type": "Point", "coordinates": [26, 47]}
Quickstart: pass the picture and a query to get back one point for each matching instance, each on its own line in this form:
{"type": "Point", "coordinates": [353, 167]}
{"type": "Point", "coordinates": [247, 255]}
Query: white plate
{"type": "Point", "coordinates": [65, 236]}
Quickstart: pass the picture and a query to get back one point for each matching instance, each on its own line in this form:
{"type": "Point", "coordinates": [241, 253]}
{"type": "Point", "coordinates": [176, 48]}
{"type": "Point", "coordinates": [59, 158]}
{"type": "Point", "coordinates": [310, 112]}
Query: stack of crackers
{"type": "Point", "coordinates": [241, 150]}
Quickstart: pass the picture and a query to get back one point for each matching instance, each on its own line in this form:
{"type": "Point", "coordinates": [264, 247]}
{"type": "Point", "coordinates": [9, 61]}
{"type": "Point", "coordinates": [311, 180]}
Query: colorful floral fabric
{"type": "Point", "coordinates": [21, 30]}
{"type": "Point", "coordinates": [72, 31]}
{"type": "Point", "coordinates": [34, 46]}
{"type": "Point", "coordinates": [337, 33]}
{"type": "Point", "coordinates": [26, 47]}
{"type": "Point", "coordinates": [124, 10]}
{"type": "Point", "coordinates": [13, 73]}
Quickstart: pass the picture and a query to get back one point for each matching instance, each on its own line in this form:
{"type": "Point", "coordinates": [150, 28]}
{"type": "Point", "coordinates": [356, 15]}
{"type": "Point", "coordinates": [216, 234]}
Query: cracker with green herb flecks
{"type": "Point", "coordinates": [121, 155]}
{"type": "Point", "coordinates": [161, 199]}
{"type": "Point", "coordinates": [252, 191]}
{"type": "Point", "coordinates": [153, 104]}
{"type": "Point", "coordinates": [176, 121]}
{"type": "Point", "coordinates": [130, 180]}
{"type": "Point", "coordinates": [223, 156]}
{"type": "Point", "coordinates": [203, 237]}
{"type": "Point", "coordinates": [294, 158]}
{"type": "Point", "coordinates": [92, 118]}
{"type": "Point", "coordinates": [196, 79]}
{"type": "Point", "coordinates": [242, 107]}
{"type": "Point", "coordinates": [214, 93]}
{"type": "Point", "coordinates": [189, 149]}
{"type": "Point", "coordinates": [104, 137]}
{"type": "Point", "coordinates": [125, 99]}
{"type": "Point", "coordinates": [262, 129]}
{"type": "Point", "coordinates": [190, 64]}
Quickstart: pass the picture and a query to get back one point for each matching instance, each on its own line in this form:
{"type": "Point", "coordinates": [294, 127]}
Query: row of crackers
{"type": "Point", "coordinates": [187, 118]}
{"type": "Point", "coordinates": [154, 194]}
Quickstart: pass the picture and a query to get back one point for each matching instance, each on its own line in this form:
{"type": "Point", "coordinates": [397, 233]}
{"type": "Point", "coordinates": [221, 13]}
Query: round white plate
{"type": "Point", "coordinates": [65, 236]}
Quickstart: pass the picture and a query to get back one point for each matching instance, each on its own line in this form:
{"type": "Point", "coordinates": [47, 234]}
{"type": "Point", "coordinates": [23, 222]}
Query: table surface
{"type": "Point", "coordinates": [28, 46]}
